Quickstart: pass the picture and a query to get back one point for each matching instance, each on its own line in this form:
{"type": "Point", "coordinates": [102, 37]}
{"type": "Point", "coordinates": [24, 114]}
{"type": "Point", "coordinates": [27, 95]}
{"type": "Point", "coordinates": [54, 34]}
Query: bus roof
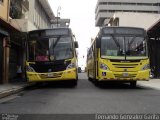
{"type": "Point", "coordinates": [49, 32]}
{"type": "Point", "coordinates": [50, 29]}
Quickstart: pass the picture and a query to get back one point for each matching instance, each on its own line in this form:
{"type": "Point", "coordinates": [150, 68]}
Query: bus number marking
{"type": "Point", "coordinates": [125, 74]}
{"type": "Point", "coordinates": [49, 75]}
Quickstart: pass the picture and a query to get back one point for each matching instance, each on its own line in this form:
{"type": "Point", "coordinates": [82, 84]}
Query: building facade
{"type": "Point", "coordinates": [37, 15]}
{"type": "Point", "coordinates": [5, 31]}
{"type": "Point", "coordinates": [17, 18]}
{"type": "Point", "coordinates": [143, 20]}
{"type": "Point", "coordinates": [154, 45]}
{"type": "Point", "coordinates": [105, 9]}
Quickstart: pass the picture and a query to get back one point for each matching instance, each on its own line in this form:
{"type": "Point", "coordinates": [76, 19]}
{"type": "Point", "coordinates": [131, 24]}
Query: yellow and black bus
{"type": "Point", "coordinates": [51, 55]}
{"type": "Point", "coordinates": [119, 54]}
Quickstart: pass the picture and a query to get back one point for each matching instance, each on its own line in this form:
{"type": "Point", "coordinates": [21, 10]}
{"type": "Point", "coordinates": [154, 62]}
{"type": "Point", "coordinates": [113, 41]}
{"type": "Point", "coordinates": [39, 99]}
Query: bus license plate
{"type": "Point", "coordinates": [50, 75]}
{"type": "Point", "coordinates": [125, 74]}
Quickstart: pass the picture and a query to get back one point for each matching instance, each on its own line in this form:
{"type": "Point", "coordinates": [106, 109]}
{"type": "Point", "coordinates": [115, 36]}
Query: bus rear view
{"type": "Point", "coordinates": [51, 55]}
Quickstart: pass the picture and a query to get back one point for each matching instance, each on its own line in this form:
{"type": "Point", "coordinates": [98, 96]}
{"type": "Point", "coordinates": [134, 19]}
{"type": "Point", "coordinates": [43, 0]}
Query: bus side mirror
{"type": "Point", "coordinates": [98, 43]}
{"type": "Point", "coordinates": [76, 44]}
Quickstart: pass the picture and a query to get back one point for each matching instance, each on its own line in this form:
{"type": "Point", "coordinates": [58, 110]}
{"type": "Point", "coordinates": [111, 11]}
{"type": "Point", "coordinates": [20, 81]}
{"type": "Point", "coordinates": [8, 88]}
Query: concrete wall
{"type": "Point", "coordinates": [106, 8]}
{"type": "Point", "coordinates": [34, 18]}
{"type": "Point", "coordinates": [4, 7]}
{"type": "Point", "coordinates": [21, 24]}
{"type": "Point", "coordinates": [37, 15]}
{"type": "Point", "coordinates": [144, 20]}
{"type": "Point", "coordinates": [31, 26]}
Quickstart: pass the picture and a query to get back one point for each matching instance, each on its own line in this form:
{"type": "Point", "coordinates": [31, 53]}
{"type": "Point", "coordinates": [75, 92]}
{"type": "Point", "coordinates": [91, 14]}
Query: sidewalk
{"type": "Point", "coordinates": [12, 88]}
{"type": "Point", "coordinates": [153, 83]}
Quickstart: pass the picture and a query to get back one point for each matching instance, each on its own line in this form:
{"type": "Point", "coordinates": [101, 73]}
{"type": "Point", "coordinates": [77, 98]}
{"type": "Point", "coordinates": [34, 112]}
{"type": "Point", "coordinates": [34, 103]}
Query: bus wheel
{"type": "Point", "coordinates": [39, 84]}
{"type": "Point", "coordinates": [74, 83]}
{"type": "Point", "coordinates": [90, 79]}
{"type": "Point", "coordinates": [96, 82]}
{"type": "Point", "coordinates": [133, 83]}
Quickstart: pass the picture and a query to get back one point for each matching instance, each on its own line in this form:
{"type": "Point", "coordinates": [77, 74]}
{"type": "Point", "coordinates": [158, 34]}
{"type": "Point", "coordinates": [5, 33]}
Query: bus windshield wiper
{"type": "Point", "coordinates": [54, 45]}
{"type": "Point", "coordinates": [132, 41]}
{"type": "Point", "coordinates": [115, 41]}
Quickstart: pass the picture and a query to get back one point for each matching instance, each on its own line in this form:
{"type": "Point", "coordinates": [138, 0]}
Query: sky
{"type": "Point", "coordinates": [82, 22]}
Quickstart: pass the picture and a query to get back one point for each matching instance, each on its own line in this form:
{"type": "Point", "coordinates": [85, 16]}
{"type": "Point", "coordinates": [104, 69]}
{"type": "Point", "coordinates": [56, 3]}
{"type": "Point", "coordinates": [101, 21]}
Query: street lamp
{"type": "Point", "coordinates": [58, 13]}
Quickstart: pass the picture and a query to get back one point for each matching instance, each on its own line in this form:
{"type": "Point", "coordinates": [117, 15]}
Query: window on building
{"type": "Point", "coordinates": [128, 3]}
{"type": "Point", "coordinates": [1, 1]}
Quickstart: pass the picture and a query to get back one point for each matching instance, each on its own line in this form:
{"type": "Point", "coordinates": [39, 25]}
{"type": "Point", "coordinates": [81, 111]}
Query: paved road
{"type": "Point", "coordinates": [85, 98]}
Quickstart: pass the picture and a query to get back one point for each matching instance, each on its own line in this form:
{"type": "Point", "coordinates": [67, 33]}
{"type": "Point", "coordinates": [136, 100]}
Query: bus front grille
{"type": "Point", "coordinates": [53, 75]}
{"type": "Point", "coordinates": [125, 65]}
{"type": "Point", "coordinates": [122, 76]}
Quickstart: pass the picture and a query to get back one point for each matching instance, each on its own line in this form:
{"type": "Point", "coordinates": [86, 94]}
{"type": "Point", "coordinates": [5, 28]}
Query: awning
{"type": "Point", "coordinates": [154, 31]}
{"type": "Point", "coordinates": [7, 26]}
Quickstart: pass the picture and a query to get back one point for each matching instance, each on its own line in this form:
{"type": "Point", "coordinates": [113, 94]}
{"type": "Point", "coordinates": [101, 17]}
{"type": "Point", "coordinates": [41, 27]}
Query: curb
{"type": "Point", "coordinates": [13, 91]}
{"type": "Point", "coordinates": [150, 86]}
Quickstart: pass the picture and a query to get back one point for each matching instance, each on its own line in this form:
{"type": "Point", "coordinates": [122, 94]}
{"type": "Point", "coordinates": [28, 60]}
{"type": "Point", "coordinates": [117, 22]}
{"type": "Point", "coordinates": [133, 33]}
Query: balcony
{"type": "Point", "coordinates": [25, 5]}
{"type": "Point", "coordinates": [15, 9]}
{"type": "Point", "coordinates": [19, 14]}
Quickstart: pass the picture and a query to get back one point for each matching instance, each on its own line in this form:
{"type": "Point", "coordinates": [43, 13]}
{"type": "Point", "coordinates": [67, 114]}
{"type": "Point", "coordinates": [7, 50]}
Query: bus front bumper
{"type": "Point", "coordinates": [124, 76]}
{"type": "Point", "coordinates": [53, 76]}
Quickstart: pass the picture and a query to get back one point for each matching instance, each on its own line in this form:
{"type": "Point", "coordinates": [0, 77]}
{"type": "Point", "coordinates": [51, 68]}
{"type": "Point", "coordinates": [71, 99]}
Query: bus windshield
{"type": "Point", "coordinates": [50, 49]}
{"type": "Point", "coordinates": [123, 47]}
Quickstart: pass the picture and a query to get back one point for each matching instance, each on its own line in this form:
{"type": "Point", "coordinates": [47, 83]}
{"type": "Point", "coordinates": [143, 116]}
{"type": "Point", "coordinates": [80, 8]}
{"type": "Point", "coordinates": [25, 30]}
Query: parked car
{"type": "Point", "coordinates": [79, 70]}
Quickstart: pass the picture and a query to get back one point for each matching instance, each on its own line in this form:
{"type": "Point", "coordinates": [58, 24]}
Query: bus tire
{"type": "Point", "coordinates": [90, 79]}
{"type": "Point", "coordinates": [96, 82]}
{"type": "Point", "coordinates": [133, 84]}
{"type": "Point", "coordinates": [38, 83]}
{"type": "Point", "coordinates": [74, 83]}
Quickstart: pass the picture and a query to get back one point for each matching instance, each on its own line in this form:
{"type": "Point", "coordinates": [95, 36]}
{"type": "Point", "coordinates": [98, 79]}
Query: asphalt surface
{"type": "Point", "coordinates": [86, 98]}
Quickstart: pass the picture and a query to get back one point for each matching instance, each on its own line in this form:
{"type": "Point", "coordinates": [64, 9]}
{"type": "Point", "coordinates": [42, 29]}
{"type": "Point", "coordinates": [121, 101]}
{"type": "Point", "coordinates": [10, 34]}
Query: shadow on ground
{"type": "Point", "coordinates": [55, 84]}
{"type": "Point", "coordinates": [118, 85]}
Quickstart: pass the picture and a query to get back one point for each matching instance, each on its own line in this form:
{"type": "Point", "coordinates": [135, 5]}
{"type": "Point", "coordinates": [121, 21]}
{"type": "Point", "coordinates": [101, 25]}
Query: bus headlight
{"type": "Point", "coordinates": [70, 66]}
{"type": "Point", "coordinates": [30, 69]}
{"type": "Point", "coordinates": [104, 67]}
{"type": "Point", "coordinates": [145, 67]}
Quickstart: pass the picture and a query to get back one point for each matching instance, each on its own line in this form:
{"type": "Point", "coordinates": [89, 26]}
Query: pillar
{"type": "Point", "coordinates": [6, 50]}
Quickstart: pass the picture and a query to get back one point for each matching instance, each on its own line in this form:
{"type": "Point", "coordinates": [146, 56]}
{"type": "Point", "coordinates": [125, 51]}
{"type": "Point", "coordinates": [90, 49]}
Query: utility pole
{"type": "Point", "coordinates": [58, 14]}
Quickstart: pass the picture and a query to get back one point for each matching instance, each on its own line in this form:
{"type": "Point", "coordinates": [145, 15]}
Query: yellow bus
{"type": "Point", "coordinates": [51, 55]}
{"type": "Point", "coordinates": [119, 54]}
